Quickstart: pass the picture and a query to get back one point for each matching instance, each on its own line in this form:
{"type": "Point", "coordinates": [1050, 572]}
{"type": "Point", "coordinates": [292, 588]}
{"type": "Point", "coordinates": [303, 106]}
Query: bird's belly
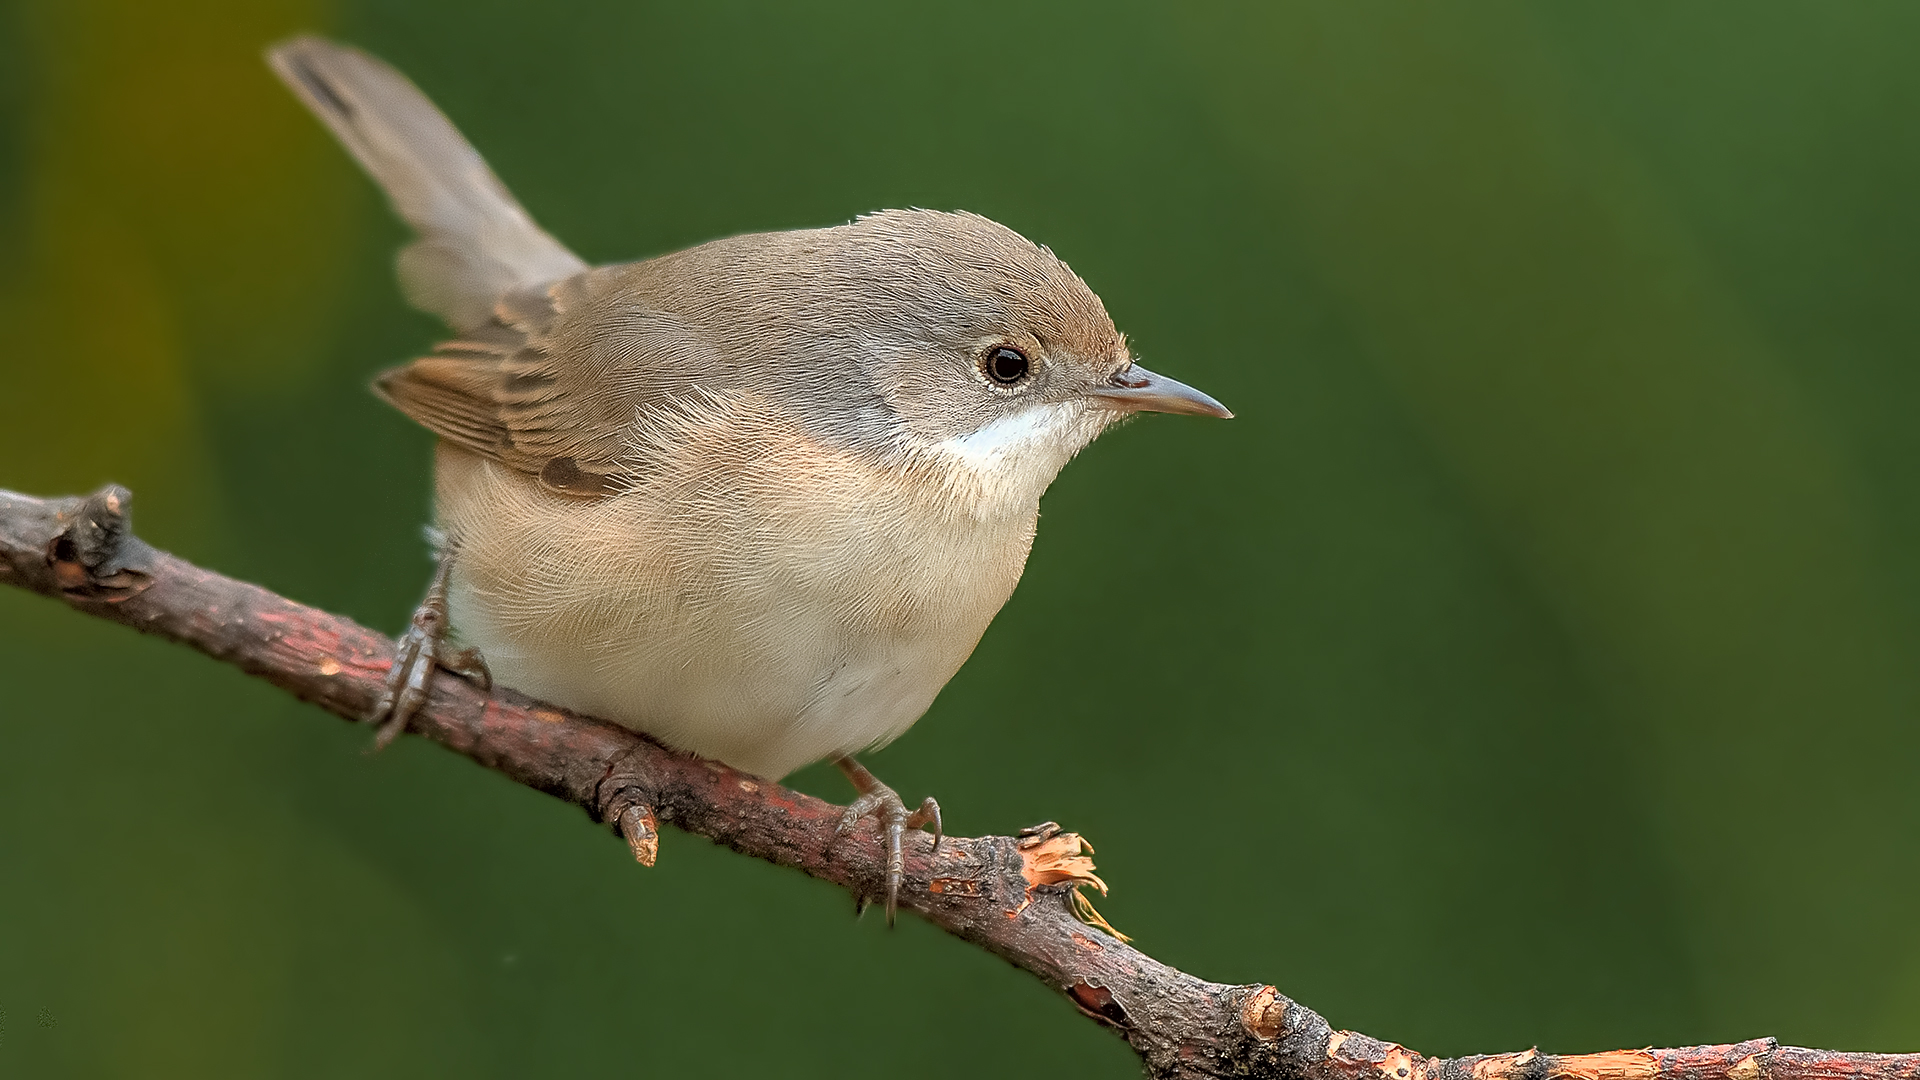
{"type": "Point", "coordinates": [766, 636]}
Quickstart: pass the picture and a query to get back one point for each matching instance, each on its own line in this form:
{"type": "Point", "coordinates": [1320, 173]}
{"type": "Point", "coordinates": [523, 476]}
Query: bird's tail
{"type": "Point", "coordinates": [476, 243]}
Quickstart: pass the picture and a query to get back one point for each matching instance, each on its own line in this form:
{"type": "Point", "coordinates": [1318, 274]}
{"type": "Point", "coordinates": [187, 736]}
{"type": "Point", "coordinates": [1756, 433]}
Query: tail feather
{"type": "Point", "coordinates": [476, 243]}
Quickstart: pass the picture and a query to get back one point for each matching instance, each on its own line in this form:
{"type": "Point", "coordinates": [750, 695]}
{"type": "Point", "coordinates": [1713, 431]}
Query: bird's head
{"type": "Point", "coordinates": [991, 355]}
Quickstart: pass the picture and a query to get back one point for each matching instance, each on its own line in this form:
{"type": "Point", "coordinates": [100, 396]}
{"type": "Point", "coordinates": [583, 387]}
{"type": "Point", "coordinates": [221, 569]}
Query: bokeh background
{"type": "Point", "coordinates": [1531, 662]}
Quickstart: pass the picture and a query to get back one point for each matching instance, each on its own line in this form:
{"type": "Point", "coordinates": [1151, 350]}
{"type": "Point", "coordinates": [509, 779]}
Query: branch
{"type": "Point", "coordinates": [1013, 896]}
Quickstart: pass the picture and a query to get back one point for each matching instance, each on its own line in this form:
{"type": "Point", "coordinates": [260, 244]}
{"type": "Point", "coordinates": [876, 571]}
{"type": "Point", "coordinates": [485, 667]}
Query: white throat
{"type": "Point", "coordinates": [1007, 463]}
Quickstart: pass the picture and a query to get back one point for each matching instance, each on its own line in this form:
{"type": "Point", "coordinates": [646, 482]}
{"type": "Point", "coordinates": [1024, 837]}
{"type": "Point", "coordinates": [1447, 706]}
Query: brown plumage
{"type": "Point", "coordinates": [858, 328]}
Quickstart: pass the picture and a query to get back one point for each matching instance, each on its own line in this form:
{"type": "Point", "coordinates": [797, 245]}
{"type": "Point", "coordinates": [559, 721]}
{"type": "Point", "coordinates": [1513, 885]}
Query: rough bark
{"type": "Point", "coordinates": [1013, 896]}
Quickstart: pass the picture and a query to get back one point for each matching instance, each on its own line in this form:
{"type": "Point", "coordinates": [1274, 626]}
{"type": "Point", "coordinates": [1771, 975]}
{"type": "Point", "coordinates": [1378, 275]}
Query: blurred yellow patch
{"type": "Point", "coordinates": [160, 257]}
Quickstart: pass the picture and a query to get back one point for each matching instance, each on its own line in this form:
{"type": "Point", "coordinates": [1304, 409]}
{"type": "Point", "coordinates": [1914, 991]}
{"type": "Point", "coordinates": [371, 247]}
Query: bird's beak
{"type": "Point", "coordinates": [1135, 389]}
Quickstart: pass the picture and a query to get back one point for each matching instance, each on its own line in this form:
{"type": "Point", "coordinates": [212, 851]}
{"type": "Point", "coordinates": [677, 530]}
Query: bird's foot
{"type": "Point", "coordinates": [422, 649]}
{"type": "Point", "coordinates": [881, 803]}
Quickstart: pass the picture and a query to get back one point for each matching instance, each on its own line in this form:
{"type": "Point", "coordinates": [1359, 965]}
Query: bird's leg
{"type": "Point", "coordinates": [422, 649]}
{"type": "Point", "coordinates": [882, 803]}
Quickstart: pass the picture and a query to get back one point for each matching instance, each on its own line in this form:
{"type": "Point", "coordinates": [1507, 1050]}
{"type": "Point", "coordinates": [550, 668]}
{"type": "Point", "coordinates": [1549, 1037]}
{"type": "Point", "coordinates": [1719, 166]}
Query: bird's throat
{"type": "Point", "coordinates": [1005, 466]}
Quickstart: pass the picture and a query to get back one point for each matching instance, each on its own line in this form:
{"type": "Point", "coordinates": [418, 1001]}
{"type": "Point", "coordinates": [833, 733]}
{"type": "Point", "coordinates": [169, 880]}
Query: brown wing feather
{"type": "Point", "coordinates": [451, 397]}
{"type": "Point", "coordinates": [554, 385]}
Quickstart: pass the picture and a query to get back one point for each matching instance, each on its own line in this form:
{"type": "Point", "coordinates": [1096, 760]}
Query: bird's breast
{"type": "Point", "coordinates": [758, 596]}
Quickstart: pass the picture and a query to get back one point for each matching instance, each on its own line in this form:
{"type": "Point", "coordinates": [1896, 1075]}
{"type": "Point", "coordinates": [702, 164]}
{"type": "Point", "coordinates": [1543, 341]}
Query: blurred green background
{"type": "Point", "coordinates": [1532, 661]}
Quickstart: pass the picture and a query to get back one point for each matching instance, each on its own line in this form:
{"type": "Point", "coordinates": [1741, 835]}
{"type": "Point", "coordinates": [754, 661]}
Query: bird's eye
{"type": "Point", "coordinates": [1006, 365]}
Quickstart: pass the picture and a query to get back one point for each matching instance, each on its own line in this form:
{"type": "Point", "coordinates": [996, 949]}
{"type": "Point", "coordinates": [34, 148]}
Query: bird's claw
{"type": "Point", "coordinates": [469, 665]}
{"type": "Point", "coordinates": [883, 804]}
{"type": "Point", "coordinates": [422, 649]}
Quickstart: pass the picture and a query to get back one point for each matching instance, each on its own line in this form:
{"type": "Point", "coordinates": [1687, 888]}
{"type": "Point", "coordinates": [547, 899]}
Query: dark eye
{"type": "Point", "coordinates": [1006, 365]}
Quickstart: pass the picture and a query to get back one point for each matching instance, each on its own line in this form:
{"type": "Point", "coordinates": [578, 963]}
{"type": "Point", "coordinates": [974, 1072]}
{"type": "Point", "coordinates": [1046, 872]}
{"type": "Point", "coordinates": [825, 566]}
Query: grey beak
{"type": "Point", "coordinates": [1136, 389]}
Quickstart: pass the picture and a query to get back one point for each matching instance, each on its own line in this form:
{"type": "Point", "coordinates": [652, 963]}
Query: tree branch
{"type": "Point", "coordinates": [1012, 896]}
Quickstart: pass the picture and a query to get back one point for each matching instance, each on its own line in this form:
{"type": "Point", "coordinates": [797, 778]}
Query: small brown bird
{"type": "Point", "coordinates": [758, 499]}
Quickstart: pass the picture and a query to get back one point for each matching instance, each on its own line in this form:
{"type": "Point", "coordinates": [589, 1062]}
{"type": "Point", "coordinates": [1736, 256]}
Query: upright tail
{"type": "Point", "coordinates": [476, 242]}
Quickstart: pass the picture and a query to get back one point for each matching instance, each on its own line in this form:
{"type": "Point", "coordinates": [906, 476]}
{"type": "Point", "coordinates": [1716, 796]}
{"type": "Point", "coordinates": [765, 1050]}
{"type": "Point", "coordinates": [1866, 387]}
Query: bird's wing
{"type": "Point", "coordinates": [476, 243]}
{"type": "Point", "coordinates": [556, 362]}
{"type": "Point", "coordinates": [558, 381]}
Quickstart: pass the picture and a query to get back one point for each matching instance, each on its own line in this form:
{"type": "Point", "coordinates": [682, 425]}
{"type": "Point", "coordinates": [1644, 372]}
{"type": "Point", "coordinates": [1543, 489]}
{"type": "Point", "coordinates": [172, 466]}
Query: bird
{"type": "Point", "coordinates": [757, 499]}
